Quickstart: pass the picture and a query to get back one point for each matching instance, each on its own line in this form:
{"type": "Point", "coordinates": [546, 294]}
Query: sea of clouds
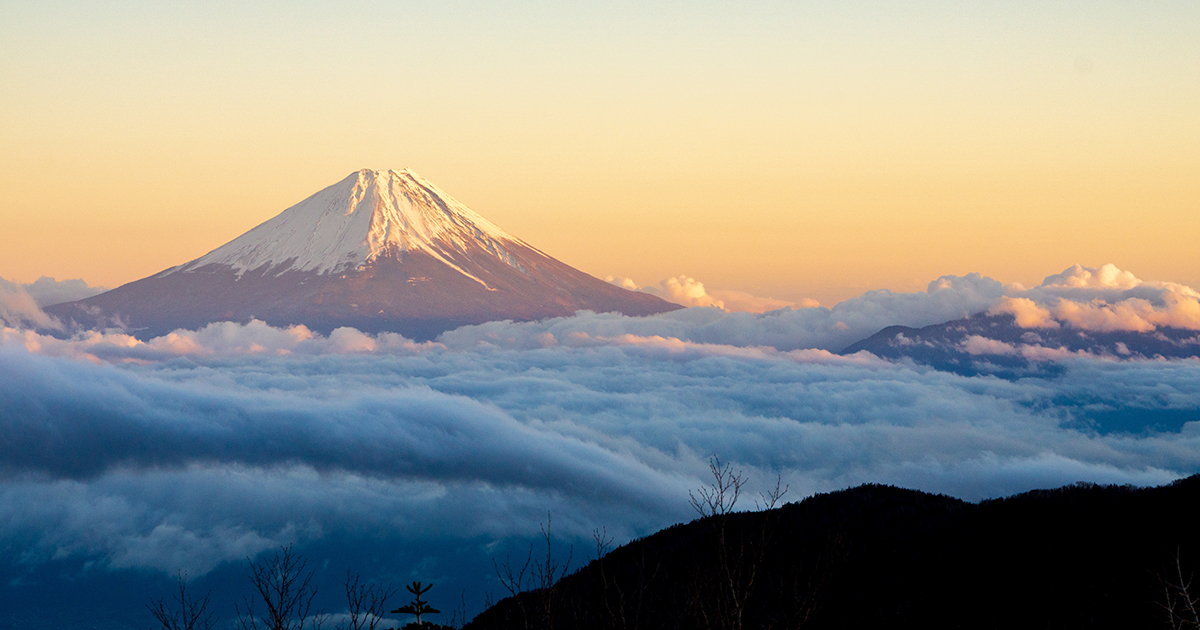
{"type": "Point", "coordinates": [204, 447]}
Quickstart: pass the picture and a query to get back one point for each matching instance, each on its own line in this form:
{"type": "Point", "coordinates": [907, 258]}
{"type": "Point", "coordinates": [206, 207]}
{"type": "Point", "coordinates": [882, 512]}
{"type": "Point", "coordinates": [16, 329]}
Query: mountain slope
{"type": "Point", "coordinates": [378, 251]}
{"type": "Point", "coordinates": [996, 344]}
{"type": "Point", "coordinates": [1083, 556]}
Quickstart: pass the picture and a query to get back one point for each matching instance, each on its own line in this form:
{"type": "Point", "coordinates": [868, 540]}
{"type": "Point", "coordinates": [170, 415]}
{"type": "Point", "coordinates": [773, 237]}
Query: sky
{"type": "Point", "coordinates": [962, 156]}
{"type": "Point", "coordinates": [786, 149]}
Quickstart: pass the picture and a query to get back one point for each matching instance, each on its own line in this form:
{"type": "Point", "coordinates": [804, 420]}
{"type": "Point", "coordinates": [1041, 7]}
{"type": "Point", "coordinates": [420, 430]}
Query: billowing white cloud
{"type": "Point", "coordinates": [194, 450]}
{"type": "Point", "coordinates": [683, 290]}
{"type": "Point", "coordinates": [949, 297]}
{"type": "Point", "coordinates": [1087, 299]}
{"type": "Point", "coordinates": [1103, 299]}
{"type": "Point", "coordinates": [1100, 299]}
{"type": "Point", "coordinates": [688, 291]}
{"type": "Point", "coordinates": [623, 282]}
{"type": "Point", "coordinates": [1175, 309]}
{"type": "Point", "coordinates": [977, 345]}
{"type": "Point", "coordinates": [1077, 276]}
{"type": "Point", "coordinates": [1130, 314]}
{"type": "Point", "coordinates": [1027, 312]}
{"type": "Point", "coordinates": [202, 447]}
{"type": "Point", "coordinates": [219, 339]}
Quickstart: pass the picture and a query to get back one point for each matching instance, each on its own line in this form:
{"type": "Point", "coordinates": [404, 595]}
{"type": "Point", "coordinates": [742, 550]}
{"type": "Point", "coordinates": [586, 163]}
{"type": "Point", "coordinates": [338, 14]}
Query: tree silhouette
{"type": "Point", "coordinates": [286, 591]}
{"type": "Point", "coordinates": [365, 603]}
{"type": "Point", "coordinates": [418, 606]}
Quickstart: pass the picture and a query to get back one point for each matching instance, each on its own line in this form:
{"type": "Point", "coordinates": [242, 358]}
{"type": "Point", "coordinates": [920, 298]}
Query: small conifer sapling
{"type": "Point", "coordinates": [418, 606]}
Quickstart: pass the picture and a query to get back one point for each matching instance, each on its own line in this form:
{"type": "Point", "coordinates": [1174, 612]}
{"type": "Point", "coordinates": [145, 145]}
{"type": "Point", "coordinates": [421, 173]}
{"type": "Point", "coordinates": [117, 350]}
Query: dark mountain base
{"type": "Point", "coordinates": [1083, 556]}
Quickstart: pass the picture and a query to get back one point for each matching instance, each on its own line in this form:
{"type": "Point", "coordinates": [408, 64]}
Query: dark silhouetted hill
{"type": "Point", "coordinates": [1082, 556]}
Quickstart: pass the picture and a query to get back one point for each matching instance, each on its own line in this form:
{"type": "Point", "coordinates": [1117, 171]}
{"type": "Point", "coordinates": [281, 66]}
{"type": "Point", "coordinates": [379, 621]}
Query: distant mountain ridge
{"type": "Point", "coordinates": [986, 343]}
{"type": "Point", "coordinates": [378, 251]}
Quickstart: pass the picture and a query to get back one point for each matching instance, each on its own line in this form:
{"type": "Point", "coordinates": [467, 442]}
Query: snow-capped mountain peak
{"type": "Point", "coordinates": [359, 219]}
{"type": "Point", "coordinates": [377, 251]}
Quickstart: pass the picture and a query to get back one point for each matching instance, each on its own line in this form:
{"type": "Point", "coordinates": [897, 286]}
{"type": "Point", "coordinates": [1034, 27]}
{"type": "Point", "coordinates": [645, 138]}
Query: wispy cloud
{"type": "Point", "coordinates": [19, 309]}
{"type": "Point", "coordinates": [21, 304]}
{"type": "Point", "coordinates": [47, 291]}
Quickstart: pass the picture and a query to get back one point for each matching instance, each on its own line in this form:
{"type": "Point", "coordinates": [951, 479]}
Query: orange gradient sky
{"type": "Point", "coordinates": [788, 149]}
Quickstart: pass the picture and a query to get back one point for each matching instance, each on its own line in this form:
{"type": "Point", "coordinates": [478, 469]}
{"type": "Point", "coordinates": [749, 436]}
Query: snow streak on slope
{"type": "Point", "coordinates": [398, 211]}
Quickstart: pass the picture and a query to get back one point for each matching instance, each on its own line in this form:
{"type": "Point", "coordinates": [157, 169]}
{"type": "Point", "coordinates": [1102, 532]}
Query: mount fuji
{"type": "Point", "coordinates": [377, 251]}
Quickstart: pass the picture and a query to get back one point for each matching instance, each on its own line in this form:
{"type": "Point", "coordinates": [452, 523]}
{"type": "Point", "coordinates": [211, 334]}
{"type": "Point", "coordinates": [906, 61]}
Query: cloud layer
{"type": "Point", "coordinates": [109, 461]}
{"type": "Point", "coordinates": [1103, 299]}
{"type": "Point", "coordinates": [201, 447]}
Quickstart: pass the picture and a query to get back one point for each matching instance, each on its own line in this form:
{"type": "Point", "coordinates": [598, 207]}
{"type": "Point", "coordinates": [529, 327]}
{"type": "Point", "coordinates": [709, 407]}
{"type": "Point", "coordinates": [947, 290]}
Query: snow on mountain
{"type": "Point", "coordinates": [378, 251]}
{"type": "Point", "coordinates": [359, 219]}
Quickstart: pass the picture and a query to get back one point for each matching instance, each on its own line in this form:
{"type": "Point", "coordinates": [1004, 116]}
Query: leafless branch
{"type": "Point", "coordinates": [458, 615]}
{"type": "Point", "coordinates": [719, 498]}
{"type": "Point", "coordinates": [1181, 607]}
{"type": "Point", "coordinates": [191, 614]}
{"type": "Point", "coordinates": [603, 542]}
{"type": "Point", "coordinates": [285, 590]}
{"type": "Point", "coordinates": [366, 603]}
{"type": "Point", "coordinates": [772, 498]}
{"type": "Point", "coordinates": [549, 572]}
{"type": "Point", "coordinates": [541, 579]}
{"type": "Point", "coordinates": [513, 581]}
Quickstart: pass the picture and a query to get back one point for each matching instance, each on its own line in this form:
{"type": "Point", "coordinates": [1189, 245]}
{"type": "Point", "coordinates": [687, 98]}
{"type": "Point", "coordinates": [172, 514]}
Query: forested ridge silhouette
{"type": "Point", "coordinates": [1081, 556]}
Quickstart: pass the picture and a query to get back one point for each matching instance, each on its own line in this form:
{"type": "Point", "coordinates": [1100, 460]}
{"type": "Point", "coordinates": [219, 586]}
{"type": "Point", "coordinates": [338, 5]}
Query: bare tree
{"type": "Point", "coordinates": [603, 546]}
{"type": "Point", "coordinates": [549, 572]}
{"type": "Point", "coordinates": [512, 579]}
{"type": "Point", "coordinates": [722, 601]}
{"type": "Point", "coordinates": [771, 499]}
{"type": "Point", "coordinates": [719, 498]}
{"type": "Point", "coordinates": [540, 578]}
{"type": "Point", "coordinates": [192, 614]}
{"type": "Point", "coordinates": [1181, 607]}
{"type": "Point", "coordinates": [284, 590]}
{"type": "Point", "coordinates": [365, 602]}
{"type": "Point", "coordinates": [718, 600]}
